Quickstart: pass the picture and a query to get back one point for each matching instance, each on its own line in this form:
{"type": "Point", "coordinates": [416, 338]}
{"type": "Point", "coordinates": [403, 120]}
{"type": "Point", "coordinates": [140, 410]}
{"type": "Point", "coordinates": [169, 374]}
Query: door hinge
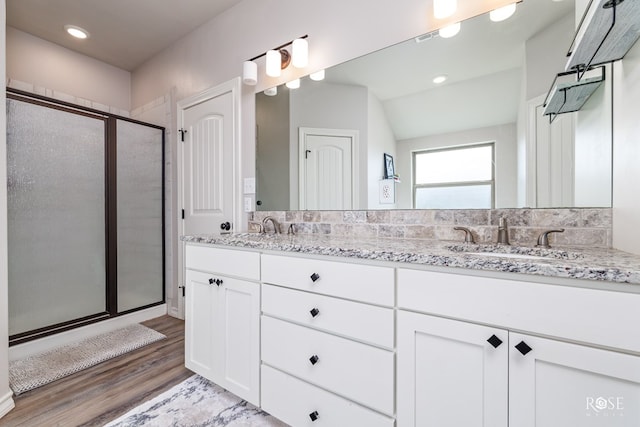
{"type": "Point", "coordinates": [182, 132]}
{"type": "Point", "coordinates": [182, 213]}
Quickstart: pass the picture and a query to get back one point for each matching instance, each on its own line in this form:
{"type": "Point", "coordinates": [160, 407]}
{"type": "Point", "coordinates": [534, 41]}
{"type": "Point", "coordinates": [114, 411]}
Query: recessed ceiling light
{"type": "Point", "coordinates": [439, 79]}
{"type": "Point", "coordinates": [77, 32]}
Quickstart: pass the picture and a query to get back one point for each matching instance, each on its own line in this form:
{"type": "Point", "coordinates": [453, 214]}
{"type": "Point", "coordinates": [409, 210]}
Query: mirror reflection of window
{"type": "Point", "coordinates": [455, 178]}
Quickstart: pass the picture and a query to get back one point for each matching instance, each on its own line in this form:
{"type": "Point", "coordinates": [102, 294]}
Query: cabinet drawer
{"type": "Point", "coordinates": [292, 401]}
{"type": "Point", "coordinates": [230, 262]}
{"type": "Point", "coordinates": [594, 316]}
{"type": "Point", "coordinates": [358, 282]}
{"type": "Point", "coordinates": [363, 322]}
{"type": "Point", "coordinates": [356, 371]}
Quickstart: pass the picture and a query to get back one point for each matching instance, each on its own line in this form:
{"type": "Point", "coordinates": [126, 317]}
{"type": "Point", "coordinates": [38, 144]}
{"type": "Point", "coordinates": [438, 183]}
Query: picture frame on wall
{"type": "Point", "coordinates": [389, 170]}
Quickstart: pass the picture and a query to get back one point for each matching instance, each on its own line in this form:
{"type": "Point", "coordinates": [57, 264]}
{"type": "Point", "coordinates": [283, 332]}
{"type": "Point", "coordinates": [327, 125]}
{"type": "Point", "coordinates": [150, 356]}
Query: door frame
{"type": "Point", "coordinates": [355, 159]}
{"type": "Point", "coordinates": [234, 87]}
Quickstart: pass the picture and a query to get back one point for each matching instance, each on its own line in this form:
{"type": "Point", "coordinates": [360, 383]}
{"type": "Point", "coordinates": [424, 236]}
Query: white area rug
{"type": "Point", "coordinates": [43, 368]}
{"type": "Point", "coordinates": [196, 402]}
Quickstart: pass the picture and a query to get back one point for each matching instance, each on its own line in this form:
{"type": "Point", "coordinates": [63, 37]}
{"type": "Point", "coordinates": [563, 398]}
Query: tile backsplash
{"type": "Point", "coordinates": [583, 227]}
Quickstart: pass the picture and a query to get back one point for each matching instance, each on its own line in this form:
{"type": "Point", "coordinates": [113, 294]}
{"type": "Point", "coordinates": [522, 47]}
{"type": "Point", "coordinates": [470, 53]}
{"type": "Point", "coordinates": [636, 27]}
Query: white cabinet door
{"type": "Point", "coordinates": [239, 348]}
{"type": "Point", "coordinates": [557, 384]}
{"type": "Point", "coordinates": [449, 374]}
{"type": "Point", "coordinates": [222, 325]}
{"type": "Point", "coordinates": [201, 332]}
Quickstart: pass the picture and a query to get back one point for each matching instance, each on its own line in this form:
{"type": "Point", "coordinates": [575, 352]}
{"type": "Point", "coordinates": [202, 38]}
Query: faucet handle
{"type": "Point", "coordinates": [543, 239]}
{"type": "Point", "coordinates": [259, 224]}
{"type": "Point", "coordinates": [468, 236]}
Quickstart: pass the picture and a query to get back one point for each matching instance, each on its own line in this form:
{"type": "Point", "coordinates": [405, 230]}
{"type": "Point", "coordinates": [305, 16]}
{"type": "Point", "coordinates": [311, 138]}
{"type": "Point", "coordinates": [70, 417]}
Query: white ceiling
{"type": "Point", "coordinates": [124, 33]}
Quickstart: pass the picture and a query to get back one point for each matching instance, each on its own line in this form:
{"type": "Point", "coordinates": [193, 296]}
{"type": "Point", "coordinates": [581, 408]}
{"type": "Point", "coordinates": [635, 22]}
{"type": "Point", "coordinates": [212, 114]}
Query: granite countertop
{"type": "Point", "coordinates": [575, 263]}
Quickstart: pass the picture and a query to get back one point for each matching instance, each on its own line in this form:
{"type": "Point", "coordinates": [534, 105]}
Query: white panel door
{"type": "Point", "coordinates": [208, 165]}
{"type": "Point", "coordinates": [554, 160]}
{"type": "Point", "coordinates": [450, 373]}
{"type": "Point", "coordinates": [327, 175]}
{"type": "Point", "coordinates": [557, 384]}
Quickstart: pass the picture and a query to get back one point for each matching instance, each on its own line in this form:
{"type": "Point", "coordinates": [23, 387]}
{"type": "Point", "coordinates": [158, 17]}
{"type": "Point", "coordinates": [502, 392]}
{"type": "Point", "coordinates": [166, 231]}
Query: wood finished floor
{"type": "Point", "coordinates": [100, 394]}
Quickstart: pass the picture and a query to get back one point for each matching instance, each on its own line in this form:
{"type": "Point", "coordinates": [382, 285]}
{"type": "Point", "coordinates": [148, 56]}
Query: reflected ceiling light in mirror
{"type": "Point", "coordinates": [444, 8]}
{"type": "Point", "coordinates": [502, 13]}
{"type": "Point", "coordinates": [293, 84]}
{"type": "Point", "coordinates": [317, 76]}
{"type": "Point", "coordinates": [440, 79]}
{"type": "Point", "coordinates": [273, 63]}
{"type": "Point", "coordinates": [250, 73]}
{"type": "Point", "coordinates": [450, 30]}
{"type": "Point", "coordinates": [300, 53]}
{"type": "Point", "coordinates": [272, 91]}
{"type": "Point", "coordinates": [77, 32]}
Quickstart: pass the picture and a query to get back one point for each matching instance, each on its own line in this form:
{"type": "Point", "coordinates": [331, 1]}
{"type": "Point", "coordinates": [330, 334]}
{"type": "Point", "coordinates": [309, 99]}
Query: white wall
{"type": "Point", "coordinates": [504, 137]}
{"type": "Point", "coordinates": [381, 140]}
{"type": "Point", "coordinates": [6, 401]}
{"type": "Point", "coordinates": [626, 152]}
{"type": "Point", "coordinates": [48, 65]}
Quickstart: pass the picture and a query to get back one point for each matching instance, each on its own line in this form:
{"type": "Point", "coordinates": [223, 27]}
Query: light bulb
{"type": "Point", "coordinates": [300, 53]}
{"type": "Point", "coordinates": [293, 84]}
{"type": "Point", "coordinates": [250, 73]}
{"type": "Point", "coordinates": [444, 8]}
{"type": "Point", "coordinates": [450, 30]}
{"type": "Point", "coordinates": [317, 76]}
{"type": "Point", "coordinates": [439, 79]}
{"type": "Point", "coordinates": [273, 66]}
{"type": "Point", "coordinates": [502, 13]}
{"type": "Point", "coordinates": [77, 32]}
{"type": "Point", "coordinates": [272, 91]}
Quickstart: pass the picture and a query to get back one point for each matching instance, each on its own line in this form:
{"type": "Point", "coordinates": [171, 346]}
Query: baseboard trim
{"type": "Point", "coordinates": [6, 404]}
{"type": "Point", "coordinates": [47, 343]}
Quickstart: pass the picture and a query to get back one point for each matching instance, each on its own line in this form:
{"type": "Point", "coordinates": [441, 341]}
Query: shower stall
{"type": "Point", "coordinates": [85, 216]}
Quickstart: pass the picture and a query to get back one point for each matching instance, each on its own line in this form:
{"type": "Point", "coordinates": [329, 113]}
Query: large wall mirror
{"type": "Point", "coordinates": [478, 139]}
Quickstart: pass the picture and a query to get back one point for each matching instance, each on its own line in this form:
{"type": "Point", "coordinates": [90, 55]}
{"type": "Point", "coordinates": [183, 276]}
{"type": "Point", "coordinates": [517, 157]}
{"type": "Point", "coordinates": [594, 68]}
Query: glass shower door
{"type": "Point", "coordinates": [56, 216]}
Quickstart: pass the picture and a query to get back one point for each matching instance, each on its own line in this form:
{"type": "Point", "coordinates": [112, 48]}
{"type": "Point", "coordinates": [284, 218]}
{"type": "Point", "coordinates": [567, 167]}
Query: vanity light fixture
{"type": "Point", "coordinates": [502, 13]}
{"type": "Point", "coordinates": [272, 91]}
{"type": "Point", "coordinates": [77, 32]}
{"type": "Point", "coordinates": [449, 31]}
{"type": "Point", "coordinates": [444, 8]}
{"type": "Point", "coordinates": [317, 76]}
{"type": "Point", "coordinates": [440, 79]}
{"type": "Point", "coordinates": [293, 84]}
{"type": "Point", "coordinates": [277, 59]}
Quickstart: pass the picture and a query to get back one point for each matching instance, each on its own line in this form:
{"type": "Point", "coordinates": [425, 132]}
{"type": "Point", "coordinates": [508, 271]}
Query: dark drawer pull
{"type": "Point", "coordinates": [494, 341]}
{"type": "Point", "coordinates": [523, 348]}
{"type": "Point", "coordinates": [314, 359]}
{"type": "Point", "coordinates": [315, 277]}
{"type": "Point", "coordinates": [314, 312]}
{"type": "Point", "coordinates": [314, 415]}
{"type": "Point", "coordinates": [219, 282]}
{"type": "Point", "coordinates": [211, 281]}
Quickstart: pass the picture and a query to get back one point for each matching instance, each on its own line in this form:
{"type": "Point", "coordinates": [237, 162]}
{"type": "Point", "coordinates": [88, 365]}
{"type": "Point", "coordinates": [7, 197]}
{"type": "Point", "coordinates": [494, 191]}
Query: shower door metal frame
{"type": "Point", "coordinates": [111, 236]}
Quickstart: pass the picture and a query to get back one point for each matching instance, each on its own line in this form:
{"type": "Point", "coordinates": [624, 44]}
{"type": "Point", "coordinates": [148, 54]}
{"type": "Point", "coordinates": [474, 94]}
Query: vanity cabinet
{"type": "Point", "coordinates": [462, 372]}
{"type": "Point", "coordinates": [327, 342]}
{"type": "Point", "coordinates": [222, 318]}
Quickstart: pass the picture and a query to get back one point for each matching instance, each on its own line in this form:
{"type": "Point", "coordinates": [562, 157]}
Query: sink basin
{"type": "Point", "coordinates": [500, 255]}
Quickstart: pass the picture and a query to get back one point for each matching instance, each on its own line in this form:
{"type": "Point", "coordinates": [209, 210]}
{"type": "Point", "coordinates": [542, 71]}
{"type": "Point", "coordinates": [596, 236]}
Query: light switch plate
{"type": "Point", "coordinates": [249, 185]}
{"type": "Point", "coordinates": [248, 204]}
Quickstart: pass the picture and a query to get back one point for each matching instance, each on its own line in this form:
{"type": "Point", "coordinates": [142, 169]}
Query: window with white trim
{"type": "Point", "coordinates": [454, 178]}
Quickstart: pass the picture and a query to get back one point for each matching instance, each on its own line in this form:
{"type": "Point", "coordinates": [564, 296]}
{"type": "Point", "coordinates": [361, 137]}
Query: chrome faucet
{"type": "Point", "coordinates": [276, 224]}
{"type": "Point", "coordinates": [468, 236]}
{"type": "Point", "coordinates": [543, 239]}
{"type": "Point", "coordinates": [503, 233]}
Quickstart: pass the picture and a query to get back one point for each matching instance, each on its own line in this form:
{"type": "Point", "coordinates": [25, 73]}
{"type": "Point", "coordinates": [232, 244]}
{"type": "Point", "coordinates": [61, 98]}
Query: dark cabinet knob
{"type": "Point", "coordinates": [314, 415]}
{"type": "Point", "coordinates": [523, 348]}
{"type": "Point", "coordinates": [314, 312]}
{"type": "Point", "coordinates": [226, 226]}
{"type": "Point", "coordinates": [315, 277]}
{"type": "Point", "coordinates": [211, 281]}
{"type": "Point", "coordinates": [314, 359]}
{"type": "Point", "coordinates": [219, 282]}
{"type": "Point", "coordinates": [494, 341]}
